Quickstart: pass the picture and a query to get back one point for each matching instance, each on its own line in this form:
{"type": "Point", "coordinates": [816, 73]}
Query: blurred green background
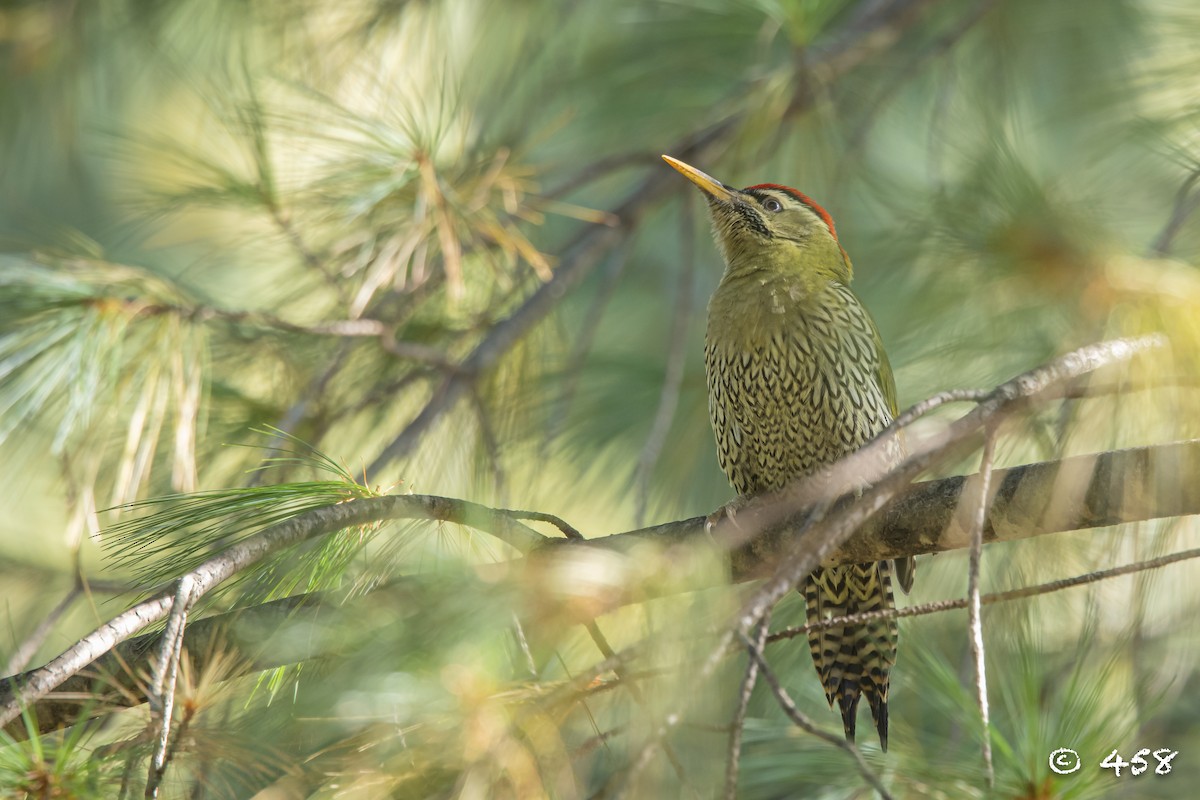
{"type": "Point", "coordinates": [217, 216]}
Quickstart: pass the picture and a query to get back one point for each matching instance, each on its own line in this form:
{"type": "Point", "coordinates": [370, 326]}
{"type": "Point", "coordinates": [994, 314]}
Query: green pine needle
{"type": "Point", "coordinates": [181, 531]}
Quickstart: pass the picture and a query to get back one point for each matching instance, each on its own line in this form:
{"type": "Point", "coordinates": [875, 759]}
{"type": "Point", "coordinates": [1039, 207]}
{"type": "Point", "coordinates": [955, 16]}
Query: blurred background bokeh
{"type": "Point", "coordinates": [434, 239]}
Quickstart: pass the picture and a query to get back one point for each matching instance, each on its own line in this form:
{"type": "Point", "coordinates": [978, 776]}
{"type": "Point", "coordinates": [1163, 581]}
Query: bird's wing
{"type": "Point", "coordinates": [905, 567]}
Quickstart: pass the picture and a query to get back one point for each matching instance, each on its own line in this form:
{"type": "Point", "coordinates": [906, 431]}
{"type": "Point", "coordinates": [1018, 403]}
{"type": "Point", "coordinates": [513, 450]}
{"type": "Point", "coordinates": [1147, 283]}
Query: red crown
{"type": "Point", "coordinates": [803, 198]}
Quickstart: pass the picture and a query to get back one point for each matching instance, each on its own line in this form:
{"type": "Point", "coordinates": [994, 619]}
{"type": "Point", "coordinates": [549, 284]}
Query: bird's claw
{"type": "Point", "coordinates": [726, 512]}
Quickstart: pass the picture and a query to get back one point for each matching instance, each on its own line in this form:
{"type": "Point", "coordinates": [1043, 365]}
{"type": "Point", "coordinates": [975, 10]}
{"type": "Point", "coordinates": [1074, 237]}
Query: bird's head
{"type": "Point", "coordinates": [770, 227]}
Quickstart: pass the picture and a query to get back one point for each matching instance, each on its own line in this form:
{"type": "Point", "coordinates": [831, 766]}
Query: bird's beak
{"type": "Point", "coordinates": [710, 185]}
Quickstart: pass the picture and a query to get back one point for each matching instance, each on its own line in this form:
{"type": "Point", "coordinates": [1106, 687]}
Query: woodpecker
{"type": "Point", "coordinates": [797, 378]}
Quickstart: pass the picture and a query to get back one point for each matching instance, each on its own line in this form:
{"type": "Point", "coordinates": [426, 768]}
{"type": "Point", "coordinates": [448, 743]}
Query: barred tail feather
{"type": "Point", "coordinates": [879, 713]}
{"type": "Point", "coordinates": [855, 660]}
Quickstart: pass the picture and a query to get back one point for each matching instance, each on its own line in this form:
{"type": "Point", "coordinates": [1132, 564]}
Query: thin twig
{"type": "Point", "coordinates": [26, 650]}
{"type": "Point", "coordinates": [801, 721]}
{"type": "Point", "coordinates": [126, 774]}
{"type": "Point", "coordinates": [602, 686]}
{"type": "Point", "coordinates": [171, 639]}
{"type": "Point", "coordinates": [361, 328]}
{"type": "Point", "coordinates": [935, 49]}
{"type": "Point", "coordinates": [974, 621]}
{"type": "Point", "coordinates": [568, 530]}
{"type": "Point", "coordinates": [920, 409]}
{"type": "Point", "coordinates": [657, 738]}
{"type": "Point", "coordinates": [310, 258]}
{"type": "Point", "coordinates": [491, 444]}
{"type": "Point", "coordinates": [938, 606]}
{"type": "Point", "coordinates": [593, 742]}
{"type": "Point", "coordinates": [299, 409]}
{"type": "Point", "coordinates": [523, 644]}
{"type": "Point", "coordinates": [1185, 205]}
{"type": "Point", "coordinates": [413, 351]}
{"type": "Point", "coordinates": [162, 685]}
{"type": "Point", "coordinates": [189, 715]}
{"type": "Point", "coordinates": [636, 693]}
{"type": "Point", "coordinates": [578, 685]}
{"type": "Point", "coordinates": [601, 168]}
{"type": "Point", "coordinates": [737, 725]}
{"type": "Point", "coordinates": [668, 399]}
{"type": "Point", "coordinates": [610, 277]}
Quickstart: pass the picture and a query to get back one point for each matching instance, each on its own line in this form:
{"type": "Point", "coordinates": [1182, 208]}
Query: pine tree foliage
{"type": "Point", "coordinates": [382, 247]}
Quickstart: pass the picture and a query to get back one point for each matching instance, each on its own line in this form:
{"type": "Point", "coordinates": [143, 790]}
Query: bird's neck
{"type": "Point", "coordinates": [756, 305]}
{"type": "Point", "coordinates": [811, 262]}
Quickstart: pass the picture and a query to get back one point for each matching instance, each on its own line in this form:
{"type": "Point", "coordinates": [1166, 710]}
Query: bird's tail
{"type": "Point", "coordinates": [857, 659]}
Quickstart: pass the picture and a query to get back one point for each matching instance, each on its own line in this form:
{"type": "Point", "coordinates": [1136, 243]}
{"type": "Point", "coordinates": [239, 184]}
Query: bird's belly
{"type": "Point", "coordinates": [782, 410]}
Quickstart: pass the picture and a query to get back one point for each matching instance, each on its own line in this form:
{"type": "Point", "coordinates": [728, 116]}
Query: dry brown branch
{"type": "Point", "coordinates": [568, 530]}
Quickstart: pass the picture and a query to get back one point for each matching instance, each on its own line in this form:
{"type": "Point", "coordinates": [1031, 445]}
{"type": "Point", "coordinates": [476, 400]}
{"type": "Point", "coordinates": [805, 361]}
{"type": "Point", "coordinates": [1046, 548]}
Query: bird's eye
{"type": "Point", "coordinates": [772, 205]}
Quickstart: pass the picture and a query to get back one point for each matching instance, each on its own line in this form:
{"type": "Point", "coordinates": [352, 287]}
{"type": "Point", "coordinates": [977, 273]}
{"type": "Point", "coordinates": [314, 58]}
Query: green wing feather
{"type": "Point", "coordinates": [905, 567]}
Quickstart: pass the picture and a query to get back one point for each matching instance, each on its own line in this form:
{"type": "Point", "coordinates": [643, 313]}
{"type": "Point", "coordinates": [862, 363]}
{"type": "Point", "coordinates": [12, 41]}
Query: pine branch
{"type": "Point", "coordinates": [225, 632]}
{"type": "Point", "coordinates": [823, 531]}
{"type": "Point", "coordinates": [111, 681]}
{"type": "Point", "coordinates": [1110, 488]}
{"type": "Point", "coordinates": [32, 686]}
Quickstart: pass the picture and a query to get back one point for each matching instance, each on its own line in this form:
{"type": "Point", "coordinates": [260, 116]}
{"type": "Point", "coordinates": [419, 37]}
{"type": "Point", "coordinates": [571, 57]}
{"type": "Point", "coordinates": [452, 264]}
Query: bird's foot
{"type": "Point", "coordinates": [728, 511]}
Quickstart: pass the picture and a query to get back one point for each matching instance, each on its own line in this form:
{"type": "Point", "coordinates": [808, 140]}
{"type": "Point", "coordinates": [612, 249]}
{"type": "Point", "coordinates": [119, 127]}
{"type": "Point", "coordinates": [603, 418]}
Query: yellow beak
{"type": "Point", "coordinates": [710, 185]}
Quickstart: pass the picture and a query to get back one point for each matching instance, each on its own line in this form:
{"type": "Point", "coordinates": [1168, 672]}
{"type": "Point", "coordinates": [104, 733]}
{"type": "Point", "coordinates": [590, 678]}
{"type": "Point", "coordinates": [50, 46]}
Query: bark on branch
{"type": "Point", "coordinates": [1109, 488]}
{"type": "Point", "coordinates": [1088, 491]}
{"type": "Point", "coordinates": [787, 534]}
